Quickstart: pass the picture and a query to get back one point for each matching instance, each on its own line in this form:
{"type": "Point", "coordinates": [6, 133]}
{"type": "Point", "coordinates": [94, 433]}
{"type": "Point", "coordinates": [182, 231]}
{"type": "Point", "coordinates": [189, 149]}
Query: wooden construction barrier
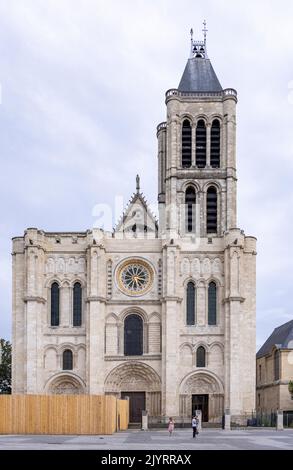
{"type": "Point", "coordinates": [122, 415]}
{"type": "Point", "coordinates": [62, 414]}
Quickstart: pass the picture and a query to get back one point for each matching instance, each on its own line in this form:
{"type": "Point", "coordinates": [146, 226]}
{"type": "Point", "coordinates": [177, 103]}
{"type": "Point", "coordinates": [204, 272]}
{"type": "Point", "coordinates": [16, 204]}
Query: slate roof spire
{"type": "Point", "coordinates": [199, 75]}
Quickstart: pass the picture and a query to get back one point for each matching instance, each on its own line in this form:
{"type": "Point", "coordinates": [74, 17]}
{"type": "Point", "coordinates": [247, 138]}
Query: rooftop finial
{"type": "Point", "coordinates": [137, 184]}
{"type": "Point", "coordinates": [205, 30]}
{"type": "Point", "coordinates": [198, 49]}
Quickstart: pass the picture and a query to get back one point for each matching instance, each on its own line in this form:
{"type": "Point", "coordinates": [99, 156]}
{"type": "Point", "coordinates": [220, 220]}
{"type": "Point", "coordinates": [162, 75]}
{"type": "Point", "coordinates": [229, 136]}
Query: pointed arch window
{"type": "Point", "coordinates": [212, 303]}
{"type": "Point", "coordinates": [77, 304]}
{"type": "Point", "coordinates": [190, 304]}
{"type": "Point", "coordinates": [212, 210]}
{"type": "Point", "coordinates": [277, 365]}
{"type": "Point", "coordinates": [190, 200]}
{"type": "Point", "coordinates": [200, 357]}
{"type": "Point", "coordinates": [133, 335]}
{"type": "Point", "coordinates": [186, 144]}
{"type": "Point", "coordinates": [55, 304]}
{"type": "Point", "coordinates": [201, 144]}
{"type": "Point", "coordinates": [67, 360]}
{"type": "Point", "coordinates": [215, 144]}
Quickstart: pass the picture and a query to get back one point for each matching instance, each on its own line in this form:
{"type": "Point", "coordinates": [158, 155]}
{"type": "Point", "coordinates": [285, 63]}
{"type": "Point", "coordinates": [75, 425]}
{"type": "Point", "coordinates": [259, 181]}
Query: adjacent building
{"type": "Point", "coordinates": [274, 371]}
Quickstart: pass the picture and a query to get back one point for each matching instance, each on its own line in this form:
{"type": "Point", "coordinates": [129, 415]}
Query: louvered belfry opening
{"type": "Point", "coordinates": [215, 144]}
{"type": "Point", "coordinates": [201, 144]}
{"type": "Point", "coordinates": [212, 210]}
{"type": "Point", "coordinates": [190, 199]}
{"type": "Point", "coordinates": [186, 144]}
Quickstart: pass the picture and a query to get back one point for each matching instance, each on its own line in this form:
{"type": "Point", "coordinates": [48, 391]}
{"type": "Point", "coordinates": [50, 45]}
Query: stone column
{"type": "Point", "coordinates": [96, 320]}
{"type": "Point", "coordinates": [208, 142]}
{"type": "Point", "coordinates": [170, 399]}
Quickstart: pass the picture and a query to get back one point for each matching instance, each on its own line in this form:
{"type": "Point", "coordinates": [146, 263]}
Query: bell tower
{"type": "Point", "coordinates": [209, 263]}
{"type": "Point", "coordinates": [196, 152]}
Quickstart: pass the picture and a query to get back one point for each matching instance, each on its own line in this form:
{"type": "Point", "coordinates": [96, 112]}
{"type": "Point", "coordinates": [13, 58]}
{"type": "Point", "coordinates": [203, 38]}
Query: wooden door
{"type": "Point", "coordinates": [136, 405]}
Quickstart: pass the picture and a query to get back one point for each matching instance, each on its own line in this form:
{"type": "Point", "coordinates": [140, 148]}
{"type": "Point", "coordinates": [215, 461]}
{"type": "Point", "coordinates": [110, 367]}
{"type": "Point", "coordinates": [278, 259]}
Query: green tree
{"type": "Point", "coordinates": [5, 366]}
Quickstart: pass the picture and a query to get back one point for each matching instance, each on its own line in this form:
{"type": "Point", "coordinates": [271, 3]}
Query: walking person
{"type": "Point", "coordinates": [171, 426]}
{"type": "Point", "coordinates": [194, 424]}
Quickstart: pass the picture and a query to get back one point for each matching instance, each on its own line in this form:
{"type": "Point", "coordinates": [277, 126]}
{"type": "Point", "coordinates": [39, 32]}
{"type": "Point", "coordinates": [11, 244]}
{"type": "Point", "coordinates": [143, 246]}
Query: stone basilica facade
{"type": "Point", "coordinates": [163, 313]}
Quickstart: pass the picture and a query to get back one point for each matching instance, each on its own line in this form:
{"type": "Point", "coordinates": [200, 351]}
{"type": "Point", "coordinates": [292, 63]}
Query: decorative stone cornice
{"type": "Point", "coordinates": [134, 302]}
{"type": "Point", "coordinates": [144, 357]}
{"type": "Point", "coordinates": [171, 298]}
{"type": "Point", "coordinates": [96, 298]}
{"type": "Point", "coordinates": [233, 299]}
{"type": "Point", "coordinates": [34, 298]}
{"type": "Point", "coordinates": [275, 383]}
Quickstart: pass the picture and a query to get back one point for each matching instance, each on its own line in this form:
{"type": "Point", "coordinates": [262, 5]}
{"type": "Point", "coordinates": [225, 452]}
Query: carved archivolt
{"type": "Point", "coordinates": [133, 376]}
{"type": "Point", "coordinates": [65, 384]}
{"type": "Point", "coordinates": [200, 384]}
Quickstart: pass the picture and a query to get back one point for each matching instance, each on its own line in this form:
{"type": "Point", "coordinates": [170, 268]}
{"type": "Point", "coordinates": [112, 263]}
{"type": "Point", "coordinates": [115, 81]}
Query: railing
{"type": "Point", "coordinates": [203, 94]}
{"type": "Point", "coordinates": [162, 125]}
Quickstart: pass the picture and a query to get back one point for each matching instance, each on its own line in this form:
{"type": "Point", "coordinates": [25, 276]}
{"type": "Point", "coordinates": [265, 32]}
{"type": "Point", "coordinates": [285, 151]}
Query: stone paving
{"type": "Point", "coordinates": [208, 439]}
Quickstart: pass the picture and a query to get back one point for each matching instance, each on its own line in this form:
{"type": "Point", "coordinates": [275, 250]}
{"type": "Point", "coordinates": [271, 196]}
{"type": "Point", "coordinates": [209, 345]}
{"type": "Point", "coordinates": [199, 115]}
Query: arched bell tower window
{"type": "Point", "coordinates": [215, 144]}
{"type": "Point", "coordinates": [212, 303]}
{"type": "Point", "coordinates": [200, 357]}
{"type": "Point", "coordinates": [77, 304]}
{"type": "Point", "coordinates": [212, 210]}
{"type": "Point", "coordinates": [67, 360]}
{"type": "Point", "coordinates": [190, 304]}
{"type": "Point", "coordinates": [55, 301]}
{"type": "Point", "coordinates": [133, 335]}
{"type": "Point", "coordinates": [201, 144]}
{"type": "Point", "coordinates": [190, 200]}
{"type": "Point", "coordinates": [186, 144]}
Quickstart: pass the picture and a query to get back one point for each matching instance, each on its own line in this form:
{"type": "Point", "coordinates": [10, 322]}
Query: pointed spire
{"type": "Point", "coordinates": [137, 184]}
{"type": "Point", "coordinates": [199, 75]}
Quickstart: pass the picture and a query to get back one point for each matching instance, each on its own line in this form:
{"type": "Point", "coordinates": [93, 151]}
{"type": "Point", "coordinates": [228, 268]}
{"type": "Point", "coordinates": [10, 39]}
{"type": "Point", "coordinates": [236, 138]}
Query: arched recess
{"type": "Point", "coordinates": [216, 356]}
{"type": "Point", "coordinates": [65, 384]}
{"type": "Point", "coordinates": [154, 334]}
{"type": "Point", "coordinates": [186, 355]}
{"type": "Point", "coordinates": [111, 334]}
{"type": "Point", "coordinates": [50, 358]}
{"type": "Point", "coordinates": [132, 376]}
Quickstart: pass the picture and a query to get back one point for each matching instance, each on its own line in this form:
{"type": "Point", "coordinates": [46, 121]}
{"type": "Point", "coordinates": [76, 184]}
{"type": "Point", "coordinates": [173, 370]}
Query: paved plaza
{"type": "Point", "coordinates": [209, 439]}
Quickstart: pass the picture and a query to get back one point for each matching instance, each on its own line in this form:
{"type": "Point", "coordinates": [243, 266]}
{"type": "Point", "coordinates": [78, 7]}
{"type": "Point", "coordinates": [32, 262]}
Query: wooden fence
{"type": "Point", "coordinates": [62, 414]}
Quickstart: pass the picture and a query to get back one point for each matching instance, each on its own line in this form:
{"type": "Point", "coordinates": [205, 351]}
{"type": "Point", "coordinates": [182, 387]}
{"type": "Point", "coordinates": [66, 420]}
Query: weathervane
{"type": "Point", "coordinates": [205, 30]}
{"type": "Point", "coordinates": [137, 184]}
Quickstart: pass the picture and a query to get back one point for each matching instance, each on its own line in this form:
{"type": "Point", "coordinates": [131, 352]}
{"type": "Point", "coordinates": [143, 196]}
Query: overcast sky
{"type": "Point", "coordinates": [83, 85]}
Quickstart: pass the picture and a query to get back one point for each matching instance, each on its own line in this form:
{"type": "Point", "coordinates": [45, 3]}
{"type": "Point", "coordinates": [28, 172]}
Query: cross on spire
{"type": "Point", "coordinates": [198, 48]}
{"type": "Point", "coordinates": [137, 184]}
{"type": "Point", "coordinates": [205, 30]}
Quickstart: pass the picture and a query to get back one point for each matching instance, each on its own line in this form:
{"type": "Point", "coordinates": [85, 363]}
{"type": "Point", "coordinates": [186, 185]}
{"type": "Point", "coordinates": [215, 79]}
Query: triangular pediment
{"type": "Point", "coordinates": [137, 221]}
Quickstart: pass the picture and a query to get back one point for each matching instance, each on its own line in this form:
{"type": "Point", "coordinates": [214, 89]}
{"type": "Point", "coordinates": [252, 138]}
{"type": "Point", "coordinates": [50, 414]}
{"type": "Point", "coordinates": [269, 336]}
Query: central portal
{"type": "Point", "coordinates": [136, 405]}
{"type": "Point", "coordinates": [201, 402]}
